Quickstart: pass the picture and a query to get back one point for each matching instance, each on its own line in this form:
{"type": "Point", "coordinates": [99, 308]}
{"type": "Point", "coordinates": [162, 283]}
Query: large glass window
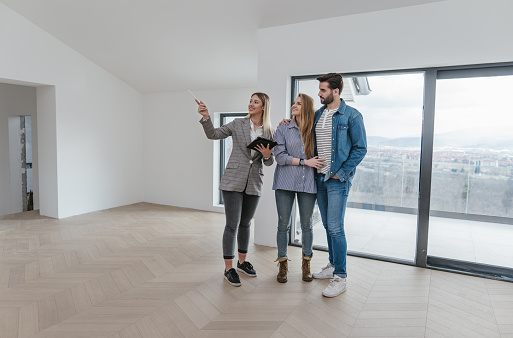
{"type": "Point", "coordinates": [382, 205]}
{"type": "Point", "coordinates": [436, 186]}
{"type": "Point", "coordinates": [472, 178]}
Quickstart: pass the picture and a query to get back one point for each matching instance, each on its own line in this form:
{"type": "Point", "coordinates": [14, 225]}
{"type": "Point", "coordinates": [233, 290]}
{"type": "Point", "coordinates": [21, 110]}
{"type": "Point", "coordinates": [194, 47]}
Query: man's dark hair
{"type": "Point", "coordinates": [334, 80]}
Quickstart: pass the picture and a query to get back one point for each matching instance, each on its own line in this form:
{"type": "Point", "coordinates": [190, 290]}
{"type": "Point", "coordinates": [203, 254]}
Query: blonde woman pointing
{"type": "Point", "coordinates": [242, 181]}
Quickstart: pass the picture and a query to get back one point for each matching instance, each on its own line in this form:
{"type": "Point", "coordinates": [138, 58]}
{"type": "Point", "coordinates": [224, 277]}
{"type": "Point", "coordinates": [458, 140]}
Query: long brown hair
{"type": "Point", "coordinates": [266, 116]}
{"type": "Point", "coordinates": [307, 121]}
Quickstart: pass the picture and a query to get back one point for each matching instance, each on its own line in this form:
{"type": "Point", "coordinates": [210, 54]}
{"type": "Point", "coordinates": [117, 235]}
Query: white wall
{"type": "Point", "coordinates": [90, 134]}
{"type": "Point", "coordinates": [14, 101]}
{"type": "Point", "coordinates": [178, 158]}
{"type": "Point", "coordinates": [46, 108]}
{"type": "Point", "coordinates": [452, 32]}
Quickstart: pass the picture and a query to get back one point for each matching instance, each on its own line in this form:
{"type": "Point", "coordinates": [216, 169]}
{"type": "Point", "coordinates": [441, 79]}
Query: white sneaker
{"type": "Point", "coordinates": [336, 287]}
{"type": "Point", "coordinates": [325, 273]}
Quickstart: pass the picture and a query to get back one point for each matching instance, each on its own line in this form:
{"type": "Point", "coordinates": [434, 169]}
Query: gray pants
{"type": "Point", "coordinates": [239, 209]}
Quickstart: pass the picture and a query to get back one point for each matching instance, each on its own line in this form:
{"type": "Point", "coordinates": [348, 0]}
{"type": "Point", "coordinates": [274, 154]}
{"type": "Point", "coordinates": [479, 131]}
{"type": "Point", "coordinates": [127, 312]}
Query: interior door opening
{"type": "Point", "coordinates": [20, 158]}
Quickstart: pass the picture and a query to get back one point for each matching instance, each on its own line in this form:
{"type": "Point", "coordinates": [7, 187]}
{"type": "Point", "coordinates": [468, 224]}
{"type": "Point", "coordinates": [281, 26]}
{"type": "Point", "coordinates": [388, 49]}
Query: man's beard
{"type": "Point", "coordinates": [328, 99]}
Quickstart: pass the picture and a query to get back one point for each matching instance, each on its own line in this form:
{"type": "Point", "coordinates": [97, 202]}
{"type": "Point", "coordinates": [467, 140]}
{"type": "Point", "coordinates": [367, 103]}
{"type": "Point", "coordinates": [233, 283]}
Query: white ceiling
{"type": "Point", "coordinates": [167, 45]}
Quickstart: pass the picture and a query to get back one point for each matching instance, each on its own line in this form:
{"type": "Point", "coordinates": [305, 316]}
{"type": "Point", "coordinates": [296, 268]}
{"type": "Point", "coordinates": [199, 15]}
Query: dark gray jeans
{"type": "Point", "coordinates": [239, 209]}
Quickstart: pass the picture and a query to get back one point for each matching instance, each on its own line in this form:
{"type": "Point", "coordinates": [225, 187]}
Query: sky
{"type": "Point", "coordinates": [394, 107]}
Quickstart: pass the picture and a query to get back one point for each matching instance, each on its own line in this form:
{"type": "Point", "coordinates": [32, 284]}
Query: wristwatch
{"type": "Point", "coordinates": [301, 162]}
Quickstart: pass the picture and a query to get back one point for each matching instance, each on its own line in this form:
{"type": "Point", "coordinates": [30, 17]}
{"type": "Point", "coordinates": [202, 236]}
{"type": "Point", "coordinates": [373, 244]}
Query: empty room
{"type": "Point", "coordinates": [136, 201]}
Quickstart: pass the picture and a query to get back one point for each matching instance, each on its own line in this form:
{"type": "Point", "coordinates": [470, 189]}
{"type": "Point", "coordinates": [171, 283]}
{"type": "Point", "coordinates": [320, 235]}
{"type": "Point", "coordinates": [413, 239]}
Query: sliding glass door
{"type": "Point", "coordinates": [436, 186]}
{"type": "Point", "coordinates": [471, 216]}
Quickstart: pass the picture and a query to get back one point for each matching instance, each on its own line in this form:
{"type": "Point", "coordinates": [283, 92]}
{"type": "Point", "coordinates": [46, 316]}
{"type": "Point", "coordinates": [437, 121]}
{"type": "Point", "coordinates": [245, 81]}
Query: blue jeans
{"type": "Point", "coordinates": [332, 199]}
{"type": "Point", "coordinates": [284, 203]}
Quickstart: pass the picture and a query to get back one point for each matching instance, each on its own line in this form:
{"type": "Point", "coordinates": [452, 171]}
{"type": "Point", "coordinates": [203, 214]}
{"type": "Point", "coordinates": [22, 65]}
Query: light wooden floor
{"type": "Point", "coordinates": [154, 271]}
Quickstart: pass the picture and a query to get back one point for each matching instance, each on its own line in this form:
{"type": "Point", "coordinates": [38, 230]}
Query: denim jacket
{"type": "Point", "coordinates": [349, 141]}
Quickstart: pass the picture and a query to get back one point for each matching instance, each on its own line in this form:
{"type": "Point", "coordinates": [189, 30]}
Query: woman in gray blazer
{"type": "Point", "coordinates": [241, 184]}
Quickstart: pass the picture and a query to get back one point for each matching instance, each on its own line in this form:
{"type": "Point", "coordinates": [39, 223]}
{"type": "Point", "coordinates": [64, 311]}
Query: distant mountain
{"type": "Point", "coordinates": [403, 142]}
{"type": "Point", "coordinates": [498, 139]}
{"type": "Point", "coordinates": [492, 138]}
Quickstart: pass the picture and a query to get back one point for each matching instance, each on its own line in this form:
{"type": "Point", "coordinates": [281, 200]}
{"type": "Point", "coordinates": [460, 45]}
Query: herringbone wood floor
{"type": "Point", "coordinates": [155, 271]}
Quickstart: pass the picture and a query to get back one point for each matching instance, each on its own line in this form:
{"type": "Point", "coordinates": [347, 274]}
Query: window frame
{"type": "Point", "coordinates": [222, 122]}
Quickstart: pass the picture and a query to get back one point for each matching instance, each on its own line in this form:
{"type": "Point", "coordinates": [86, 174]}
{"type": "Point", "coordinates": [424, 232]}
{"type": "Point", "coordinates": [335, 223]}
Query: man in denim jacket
{"type": "Point", "coordinates": [340, 138]}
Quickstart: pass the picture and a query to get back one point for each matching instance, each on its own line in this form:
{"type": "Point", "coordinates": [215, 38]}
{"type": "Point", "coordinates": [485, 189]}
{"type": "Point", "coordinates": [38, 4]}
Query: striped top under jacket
{"type": "Point", "coordinates": [243, 172]}
{"type": "Point", "coordinates": [290, 177]}
{"type": "Point", "coordinates": [323, 135]}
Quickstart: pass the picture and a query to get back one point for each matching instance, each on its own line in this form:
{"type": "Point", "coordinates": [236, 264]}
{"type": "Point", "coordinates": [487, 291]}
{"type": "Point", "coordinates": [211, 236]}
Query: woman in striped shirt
{"type": "Point", "coordinates": [295, 176]}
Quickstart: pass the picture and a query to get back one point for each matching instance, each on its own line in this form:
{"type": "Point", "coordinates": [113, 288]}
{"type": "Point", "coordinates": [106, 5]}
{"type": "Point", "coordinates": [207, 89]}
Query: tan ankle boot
{"type": "Point", "coordinates": [284, 268]}
{"type": "Point", "coordinates": [307, 276]}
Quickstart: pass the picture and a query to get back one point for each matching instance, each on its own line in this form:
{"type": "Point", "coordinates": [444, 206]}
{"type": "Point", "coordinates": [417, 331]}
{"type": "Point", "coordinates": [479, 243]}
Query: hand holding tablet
{"type": "Point", "coordinates": [263, 142]}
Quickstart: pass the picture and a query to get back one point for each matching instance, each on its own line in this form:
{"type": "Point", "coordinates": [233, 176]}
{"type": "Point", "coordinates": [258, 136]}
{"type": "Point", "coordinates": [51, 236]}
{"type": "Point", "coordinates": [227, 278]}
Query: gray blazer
{"type": "Point", "coordinates": [242, 172]}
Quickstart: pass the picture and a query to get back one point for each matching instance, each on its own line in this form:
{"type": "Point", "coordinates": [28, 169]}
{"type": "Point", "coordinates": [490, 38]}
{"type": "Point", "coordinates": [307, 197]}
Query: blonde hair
{"type": "Point", "coordinates": [307, 122]}
{"type": "Point", "coordinates": [266, 116]}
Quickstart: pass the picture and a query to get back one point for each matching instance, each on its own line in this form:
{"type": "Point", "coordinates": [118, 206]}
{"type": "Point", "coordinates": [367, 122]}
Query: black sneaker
{"type": "Point", "coordinates": [232, 277]}
{"type": "Point", "coordinates": [247, 268]}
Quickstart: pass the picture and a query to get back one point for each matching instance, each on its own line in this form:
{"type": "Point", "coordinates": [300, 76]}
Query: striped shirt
{"type": "Point", "coordinates": [323, 137]}
{"type": "Point", "coordinates": [298, 178]}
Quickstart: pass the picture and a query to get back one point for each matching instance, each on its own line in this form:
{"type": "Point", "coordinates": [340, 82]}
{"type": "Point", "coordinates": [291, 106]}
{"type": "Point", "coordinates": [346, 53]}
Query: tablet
{"type": "Point", "coordinates": [262, 141]}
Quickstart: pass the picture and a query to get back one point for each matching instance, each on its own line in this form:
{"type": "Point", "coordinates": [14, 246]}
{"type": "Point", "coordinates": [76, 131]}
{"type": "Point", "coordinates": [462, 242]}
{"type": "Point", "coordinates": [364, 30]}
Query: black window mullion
{"type": "Point", "coordinates": [484, 71]}
{"type": "Point", "coordinates": [426, 160]}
